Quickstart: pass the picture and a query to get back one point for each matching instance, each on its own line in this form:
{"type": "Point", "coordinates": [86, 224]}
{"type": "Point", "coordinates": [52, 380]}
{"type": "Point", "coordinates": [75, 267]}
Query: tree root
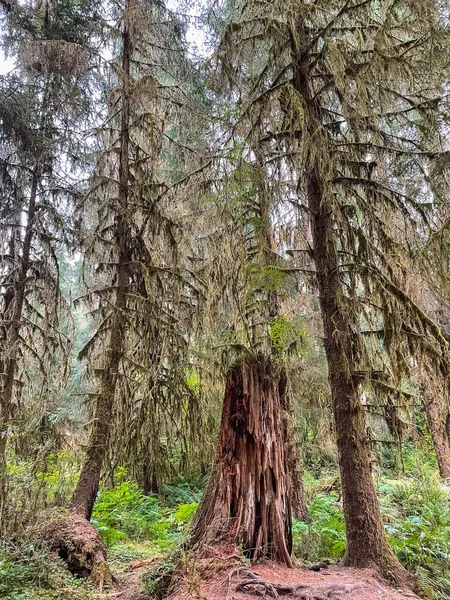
{"type": "Point", "coordinates": [388, 569]}
{"type": "Point", "coordinates": [323, 564]}
{"type": "Point", "coordinates": [138, 564]}
{"type": "Point", "coordinates": [256, 586]}
{"type": "Point", "coordinates": [79, 544]}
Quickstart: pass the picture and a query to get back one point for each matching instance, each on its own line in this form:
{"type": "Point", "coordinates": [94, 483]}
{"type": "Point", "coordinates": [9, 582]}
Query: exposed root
{"type": "Point", "coordinates": [388, 569]}
{"type": "Point", "coordinates": [78, 543]}
{"type": "Point", "coordinates": [397, 575]}
{"type": "Point", "coordinates": [256, 586]}
{"type": "Point", "coordinates": [323, 564]}
{"type": "Point", "coordinates": [101, 574]}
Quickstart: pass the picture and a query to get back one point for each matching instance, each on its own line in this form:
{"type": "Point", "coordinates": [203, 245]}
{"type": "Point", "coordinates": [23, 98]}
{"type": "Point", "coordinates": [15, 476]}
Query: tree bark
{"type": "Point", "coordinates": [248, 498]}
{"type": "Point", "coordinates": [295, 473]}
{"type": "Point", "coordinates": [367, 544]}
{"type": "Point", "coordinates": [83, 499]}
{"type": "Point", "coordinates": [85, 494]}
{"type": "Point", "coordinates": [437, 415]}
{"type": "Point", "coordinates": [74, 538]}
{"type": "Point", "coordinates": [11, 323]}
{"type": "Point", "coordinates": [437, 421]}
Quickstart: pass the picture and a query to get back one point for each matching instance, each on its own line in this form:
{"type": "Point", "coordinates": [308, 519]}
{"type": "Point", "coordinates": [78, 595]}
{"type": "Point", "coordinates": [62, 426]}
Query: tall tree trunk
{"type": "Point", "coordinates": [437, 414]}
{"type": "Point", "coordinates": [438, 421]}
{"type": "Point", "coordinates": [85, 493]}
{"type": "Point", "coordinates": [367, 544]}
{"type": "Point", "coordinates": [295, 473]}
{"type": "Point", "coordinates": [74, 538]}
{"type": "Point", "coordinates": [83, 498]}
{"type": "Point", "coordinates": [11, 318]}
{"type": "Point", "coordinates": [248, 498]}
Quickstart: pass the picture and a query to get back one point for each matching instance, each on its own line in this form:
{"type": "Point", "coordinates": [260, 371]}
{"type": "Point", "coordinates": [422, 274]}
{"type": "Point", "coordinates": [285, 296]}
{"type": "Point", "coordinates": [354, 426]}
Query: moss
{"type": "Point", "coordinates": [286, 333]}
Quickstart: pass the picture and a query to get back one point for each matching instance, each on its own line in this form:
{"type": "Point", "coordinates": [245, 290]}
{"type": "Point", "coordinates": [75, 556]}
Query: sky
{"type": "Point", "coordinates": [196, 37]}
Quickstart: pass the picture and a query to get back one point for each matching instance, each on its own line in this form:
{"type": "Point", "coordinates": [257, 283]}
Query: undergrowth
{"type": "Point", "coordinates": [29, 572]}
{"type": "Point", "coordinates": [416, 511]}
{"type": "Point", "coordinates": [415, 506]}
{"type": "Point", "coordinates": [135, 526]}
{"type": "Point", "coordinates": [417, 515]}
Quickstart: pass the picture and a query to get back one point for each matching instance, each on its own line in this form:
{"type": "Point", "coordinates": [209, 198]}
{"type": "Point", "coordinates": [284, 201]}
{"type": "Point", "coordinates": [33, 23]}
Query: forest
{"type": "Point", "coordinates": [224, 299]}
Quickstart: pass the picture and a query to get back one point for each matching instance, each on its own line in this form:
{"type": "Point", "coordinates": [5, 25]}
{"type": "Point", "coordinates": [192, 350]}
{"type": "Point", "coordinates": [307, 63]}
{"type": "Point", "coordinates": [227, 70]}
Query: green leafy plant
{"type": "Point", "coordinates": [125, 516]}
{"type": "Point", "coordinates": [286, 333]}
{"type": "Point", "coordinates": [416, 512]}
{"type": "Point", "coordinates": [125, 511]}
{"type": "Point", "coordinates": [324, 535]}
{"type": "Point", "coordinates": [417, 515]}
{"type": "Point", "coordinates": [30, 572]}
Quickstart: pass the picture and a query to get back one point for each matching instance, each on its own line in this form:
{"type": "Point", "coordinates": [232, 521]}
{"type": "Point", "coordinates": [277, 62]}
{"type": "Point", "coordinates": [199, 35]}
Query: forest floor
{"type": "Point", "coordinates": [129, 587]}
{"type": "Point", "coordinates": [146, 543]}
{"type": "Point", "coordinates": [334, 584]}
{"type": "Point", "coordinates": [210, 580]}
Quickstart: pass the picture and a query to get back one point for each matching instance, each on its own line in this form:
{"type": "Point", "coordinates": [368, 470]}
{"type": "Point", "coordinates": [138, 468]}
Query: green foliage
{"type": "Point", "coordinates": [185, 512]}
{"type": "Point", "coordinates": [286, 334]}
{"type": "Point", "coordinates": [193, 382]}
{"type": "Point", "coordinates": [124, 511]}
{"type": "Point", "coordinates": [324, 535]}
{"type": "Point", "coordinates": [28, 572]}
{"type": "Point", "coordinates": [57, 477]}
{"type": "Point", "coordinates": [39, 484]}
{"type": "Point", "coordinates": [184, 492]}
{"type": "Point", "coordinates": [417, 511]}
{"type": "Point", "coordinates": [124, 514]}
{"type": "Point", "coordinates": [265, 278]}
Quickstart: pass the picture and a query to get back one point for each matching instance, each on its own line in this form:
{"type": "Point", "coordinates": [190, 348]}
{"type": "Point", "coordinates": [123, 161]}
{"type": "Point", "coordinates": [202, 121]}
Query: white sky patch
{"type": "Point", "coordinates": [6, 64]}
{"type": "Point", "coordinates": [196, 35]}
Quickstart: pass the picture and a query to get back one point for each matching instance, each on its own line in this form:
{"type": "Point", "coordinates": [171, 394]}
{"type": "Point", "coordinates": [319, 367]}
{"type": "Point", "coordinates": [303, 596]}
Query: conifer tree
{"type": "Point", "coordinates": [38, 146]}
{"type": "Point", "coordinates": [139, 287]}
{"type": "Point", "coordinates": [344, 96]}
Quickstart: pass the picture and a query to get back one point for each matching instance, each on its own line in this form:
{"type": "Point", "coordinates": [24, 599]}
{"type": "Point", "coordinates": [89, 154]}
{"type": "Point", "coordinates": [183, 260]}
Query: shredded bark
{"type": "Point", "coordinates": [247, 500]}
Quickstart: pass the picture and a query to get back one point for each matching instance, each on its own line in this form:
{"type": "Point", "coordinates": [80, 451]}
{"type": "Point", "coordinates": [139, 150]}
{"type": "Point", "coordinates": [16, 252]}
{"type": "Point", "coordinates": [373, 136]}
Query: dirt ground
{"type": "Point", "coordinates": [220, 575]}
{"type": "Point", "coordinates": [128, 587]}
{"type": "Point", "coordinates": [331, 584]}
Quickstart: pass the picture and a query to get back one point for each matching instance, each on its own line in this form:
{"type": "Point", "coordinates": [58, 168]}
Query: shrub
{"type": "Point", "coordinates": [416, 511]}
{"type": "Point", "coordinates": [417, 515]}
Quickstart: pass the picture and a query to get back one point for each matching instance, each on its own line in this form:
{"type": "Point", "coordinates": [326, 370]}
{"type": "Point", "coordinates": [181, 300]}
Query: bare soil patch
{"type": "Point", "coordinates": [334, 583]}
